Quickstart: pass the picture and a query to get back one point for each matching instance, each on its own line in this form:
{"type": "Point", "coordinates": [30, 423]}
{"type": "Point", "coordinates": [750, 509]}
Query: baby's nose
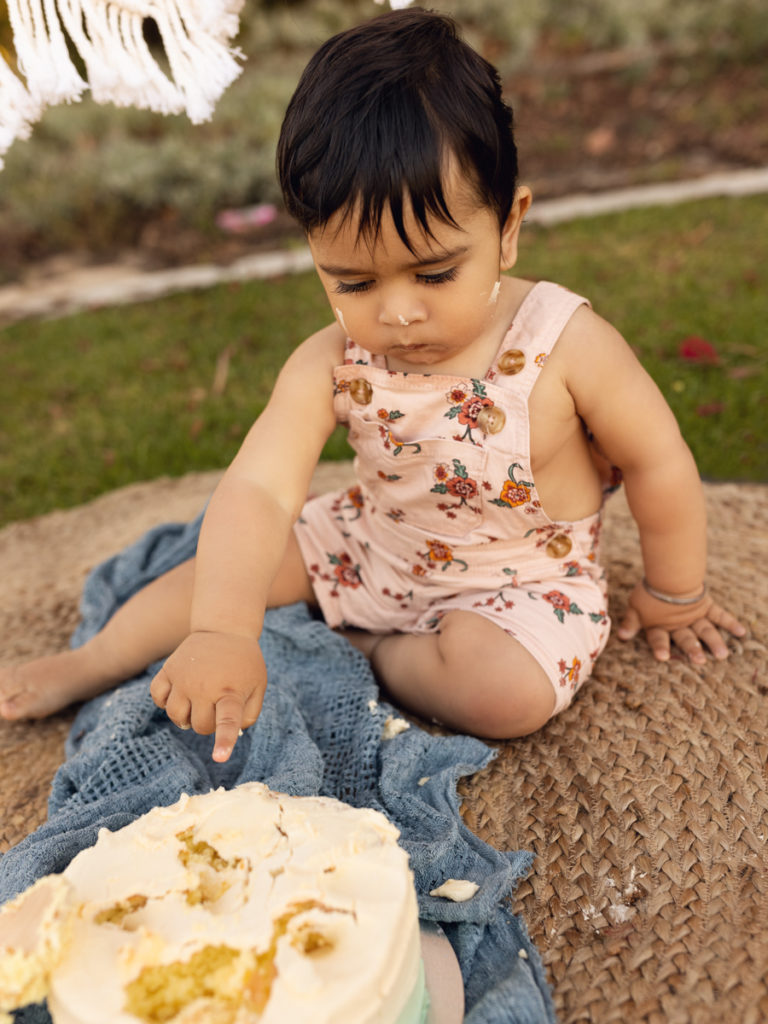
{"type": "Point", "coordinates": [401, 314]}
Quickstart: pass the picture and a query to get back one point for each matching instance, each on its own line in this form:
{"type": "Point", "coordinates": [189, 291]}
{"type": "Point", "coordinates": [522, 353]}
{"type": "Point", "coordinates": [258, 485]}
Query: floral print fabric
{"type": "Point", "coordinates": [445, 513]}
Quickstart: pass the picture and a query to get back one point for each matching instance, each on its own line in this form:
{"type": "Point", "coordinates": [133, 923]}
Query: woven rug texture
{"type": "Point", "coordinates": [645, 803]}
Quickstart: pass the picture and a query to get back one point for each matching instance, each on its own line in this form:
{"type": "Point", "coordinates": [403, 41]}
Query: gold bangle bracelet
{"type": "Point", "coordinates": [669, 598]}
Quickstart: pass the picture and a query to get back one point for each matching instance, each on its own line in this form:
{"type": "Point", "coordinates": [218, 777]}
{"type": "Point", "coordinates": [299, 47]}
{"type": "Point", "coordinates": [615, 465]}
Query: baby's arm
{"type": "Point", "coordinates": [215, 680]}
{"type": "Point", "coordinates": [672, 601]}
{"type": "Point", "coordinates": [638, 432]}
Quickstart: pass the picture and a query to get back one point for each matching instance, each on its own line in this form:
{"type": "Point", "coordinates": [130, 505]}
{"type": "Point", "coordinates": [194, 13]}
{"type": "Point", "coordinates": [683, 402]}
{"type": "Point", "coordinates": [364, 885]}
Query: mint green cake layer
{"type": "Point", "coordinates": [417, 1007]}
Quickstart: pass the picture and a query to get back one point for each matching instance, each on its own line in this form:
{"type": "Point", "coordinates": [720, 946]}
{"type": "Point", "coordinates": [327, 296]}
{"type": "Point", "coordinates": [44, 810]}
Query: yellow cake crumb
{"type": "Point", "coordinates": [197, 853]}
{"type": "Point", "coordinates": [160, 992]}
{"type": "Point", "coordinates": [117, 913]}
{"type": "Point", "coordinates": [229, 978]}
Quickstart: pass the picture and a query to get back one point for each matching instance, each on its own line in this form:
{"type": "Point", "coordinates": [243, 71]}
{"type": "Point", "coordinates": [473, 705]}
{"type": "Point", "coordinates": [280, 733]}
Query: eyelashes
{"type": "Point", "coordinates": [352, 287]}
{"type": "Point", "coordinates": [358, 287]}
{"type": "Point", "coordinates": [439, 278]}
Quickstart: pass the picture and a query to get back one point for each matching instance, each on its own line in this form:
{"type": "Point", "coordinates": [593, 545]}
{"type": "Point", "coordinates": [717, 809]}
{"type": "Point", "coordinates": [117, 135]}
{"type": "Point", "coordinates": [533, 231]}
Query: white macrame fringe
{"type": "Point", "coordinates": [18, 110]}
{"type": "Point", "coordinates": [120, 67]}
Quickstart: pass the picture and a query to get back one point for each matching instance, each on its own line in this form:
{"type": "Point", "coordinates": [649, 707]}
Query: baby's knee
{"type": "Point", "coordinates": [501, 690]}
{"type": "Point", "coordinates": [511, 705]}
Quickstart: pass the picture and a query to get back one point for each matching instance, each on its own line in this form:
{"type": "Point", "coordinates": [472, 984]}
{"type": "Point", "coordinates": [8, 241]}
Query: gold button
{"type": "Point", "coordinates": [361, 391]}
{"type": "Point", "coordinates": [491, 419]}
{"type": "Point", "coordinates": [559, 546]}
{"type": "Point", "coordinates": [512, 361]}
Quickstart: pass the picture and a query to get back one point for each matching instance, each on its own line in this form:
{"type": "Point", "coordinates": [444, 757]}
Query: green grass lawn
{"type": "Point", "coordinates": [97, 400]}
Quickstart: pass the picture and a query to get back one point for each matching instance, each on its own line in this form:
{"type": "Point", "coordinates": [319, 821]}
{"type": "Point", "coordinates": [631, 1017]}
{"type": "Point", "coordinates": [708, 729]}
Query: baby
{"type": "Point", "coordinates": [484, 410]}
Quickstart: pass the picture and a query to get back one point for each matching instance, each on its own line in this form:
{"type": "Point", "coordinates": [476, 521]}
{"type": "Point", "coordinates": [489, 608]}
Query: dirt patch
{"type": "Point", "coordinates": [609, 120]}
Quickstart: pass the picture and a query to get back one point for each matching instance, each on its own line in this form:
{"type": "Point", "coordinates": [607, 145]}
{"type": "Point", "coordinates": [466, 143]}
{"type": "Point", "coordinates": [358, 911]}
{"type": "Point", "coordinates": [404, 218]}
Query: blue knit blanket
{"type": "Point", "coordinates": [319, 733]}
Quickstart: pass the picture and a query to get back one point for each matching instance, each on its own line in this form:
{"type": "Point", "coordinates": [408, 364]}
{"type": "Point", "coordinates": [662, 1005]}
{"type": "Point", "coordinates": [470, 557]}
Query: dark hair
{"type": "Point", "coordinates": [376, 113]}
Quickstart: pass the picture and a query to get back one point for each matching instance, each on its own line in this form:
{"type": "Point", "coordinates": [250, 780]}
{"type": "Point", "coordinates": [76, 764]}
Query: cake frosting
{"type": "Point", "coordinates": [233, 907]}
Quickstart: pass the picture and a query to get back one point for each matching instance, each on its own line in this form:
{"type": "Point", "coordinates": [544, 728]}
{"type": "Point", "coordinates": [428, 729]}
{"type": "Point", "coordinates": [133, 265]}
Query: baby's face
{"type": "Point", "coordinates": [431, 310]}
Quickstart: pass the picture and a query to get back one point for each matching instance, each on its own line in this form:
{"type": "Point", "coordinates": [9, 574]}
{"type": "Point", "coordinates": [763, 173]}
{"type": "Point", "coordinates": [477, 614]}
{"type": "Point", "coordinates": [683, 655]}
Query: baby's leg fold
{"type": "Point", "coordinates": [471, 676]}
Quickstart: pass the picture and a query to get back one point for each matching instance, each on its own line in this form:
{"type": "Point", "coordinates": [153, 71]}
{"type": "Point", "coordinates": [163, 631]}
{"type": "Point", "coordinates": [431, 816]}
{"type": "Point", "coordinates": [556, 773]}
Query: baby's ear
{"type": "Point", "coordinates": [510, 232]}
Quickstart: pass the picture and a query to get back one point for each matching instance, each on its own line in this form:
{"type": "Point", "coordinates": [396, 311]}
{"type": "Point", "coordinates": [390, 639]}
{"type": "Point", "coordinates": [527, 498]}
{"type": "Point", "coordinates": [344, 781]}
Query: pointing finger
{"type": "Point", "coordinates": [229, 720]}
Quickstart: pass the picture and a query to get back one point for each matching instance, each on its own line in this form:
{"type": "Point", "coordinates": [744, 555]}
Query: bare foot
{"type": "Point", "coordinates": [41, 687]}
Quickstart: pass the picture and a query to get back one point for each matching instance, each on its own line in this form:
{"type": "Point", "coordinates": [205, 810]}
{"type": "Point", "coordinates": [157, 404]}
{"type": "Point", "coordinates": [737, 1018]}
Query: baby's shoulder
{"type": "Point", "coordinates": [587, 334]}
{"type": "Point", "coordinates": [591, 357]}
{"type": "Point", "coordinates": [308, 371]}
{"type": "Point", "coordinates": [320, 352]}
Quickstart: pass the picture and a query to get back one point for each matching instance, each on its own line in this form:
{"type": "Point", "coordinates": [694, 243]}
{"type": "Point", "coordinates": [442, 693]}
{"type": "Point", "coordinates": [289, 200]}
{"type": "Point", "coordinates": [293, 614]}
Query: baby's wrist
{"type": "Point", "coordinates": [689, 597]}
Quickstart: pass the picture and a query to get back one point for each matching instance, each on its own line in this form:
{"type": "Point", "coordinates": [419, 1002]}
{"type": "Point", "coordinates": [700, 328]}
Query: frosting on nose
{"type": "Point", "coordinates": [402, 320]}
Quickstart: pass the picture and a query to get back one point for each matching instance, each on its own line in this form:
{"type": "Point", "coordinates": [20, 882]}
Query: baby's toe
{"type": "Point", "coordinates": [11, 708]}
{"type": "Point", "coordinates": [17, 700]}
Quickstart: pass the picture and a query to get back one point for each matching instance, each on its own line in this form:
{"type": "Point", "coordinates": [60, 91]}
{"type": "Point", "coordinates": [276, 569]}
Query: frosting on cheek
{"type": "Point", "coordinates": [493, 297]}
{"type": "Point", "coordinates": [340, 318]}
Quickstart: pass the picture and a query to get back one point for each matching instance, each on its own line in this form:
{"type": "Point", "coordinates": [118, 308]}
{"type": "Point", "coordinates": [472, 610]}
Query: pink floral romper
{"type": "Point", "coordinates": [446, 515]}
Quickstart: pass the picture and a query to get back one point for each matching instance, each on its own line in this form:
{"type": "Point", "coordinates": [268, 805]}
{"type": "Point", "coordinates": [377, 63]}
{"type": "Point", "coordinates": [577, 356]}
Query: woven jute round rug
{"type": "Point", "coordinates": [645, 803]}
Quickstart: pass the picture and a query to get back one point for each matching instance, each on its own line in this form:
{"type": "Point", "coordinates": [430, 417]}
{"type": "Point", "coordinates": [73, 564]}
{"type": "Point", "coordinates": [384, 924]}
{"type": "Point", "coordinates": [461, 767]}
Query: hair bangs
{"type": "Point", "coordinates": [391, 161]}
{"type": "Point", "coordinates": [379, 114]}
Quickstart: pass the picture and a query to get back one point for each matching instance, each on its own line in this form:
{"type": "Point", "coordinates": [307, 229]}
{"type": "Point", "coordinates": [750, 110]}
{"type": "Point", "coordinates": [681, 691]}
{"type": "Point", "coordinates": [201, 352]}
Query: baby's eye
{"type": "Point", "coordinates": [441, 277]}
{"type": "Point", "coordinates": [352, 287]}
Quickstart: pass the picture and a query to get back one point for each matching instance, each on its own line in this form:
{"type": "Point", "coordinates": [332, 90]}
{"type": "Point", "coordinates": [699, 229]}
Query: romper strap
{"type": "Point", "coordinates": [532, 335]}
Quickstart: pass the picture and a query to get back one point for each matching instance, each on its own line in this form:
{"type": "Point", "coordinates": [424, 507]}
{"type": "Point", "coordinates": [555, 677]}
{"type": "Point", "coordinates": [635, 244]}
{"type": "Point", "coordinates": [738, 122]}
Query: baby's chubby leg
{"type": "Point", "coordinates": [147, 627]}
{"type": "Point", "coordinates": [471, 676]}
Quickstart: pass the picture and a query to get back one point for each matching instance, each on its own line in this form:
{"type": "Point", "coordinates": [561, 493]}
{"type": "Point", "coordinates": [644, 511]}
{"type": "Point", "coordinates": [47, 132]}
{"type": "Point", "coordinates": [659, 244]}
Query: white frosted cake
{"type": "Point", "coordinates": [239, 906]}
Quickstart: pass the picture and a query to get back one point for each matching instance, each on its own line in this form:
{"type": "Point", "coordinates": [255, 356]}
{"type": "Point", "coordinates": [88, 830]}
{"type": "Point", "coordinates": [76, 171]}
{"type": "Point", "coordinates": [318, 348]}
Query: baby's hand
{"type": "Point", "coordinates": [693, 627]}
{"type": "Point", "coordinates": [213, 682]}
